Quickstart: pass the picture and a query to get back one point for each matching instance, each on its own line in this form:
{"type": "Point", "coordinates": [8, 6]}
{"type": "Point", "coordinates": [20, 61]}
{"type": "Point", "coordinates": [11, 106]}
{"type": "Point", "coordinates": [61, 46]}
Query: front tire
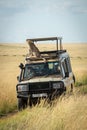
{"type": "Point", "coordinates": [33, 101]}
{"type": "Point", "coordinates": [22, 104]}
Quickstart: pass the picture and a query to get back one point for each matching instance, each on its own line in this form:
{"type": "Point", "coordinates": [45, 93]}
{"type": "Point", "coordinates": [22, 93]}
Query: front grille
{"type": "Point", "coordinates": [40, 86]}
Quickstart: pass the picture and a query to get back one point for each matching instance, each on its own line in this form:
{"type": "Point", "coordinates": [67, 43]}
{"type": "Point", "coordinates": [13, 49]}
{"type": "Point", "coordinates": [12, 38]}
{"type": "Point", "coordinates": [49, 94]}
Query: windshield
{"type": "Point", "coordinates": [41, 69]}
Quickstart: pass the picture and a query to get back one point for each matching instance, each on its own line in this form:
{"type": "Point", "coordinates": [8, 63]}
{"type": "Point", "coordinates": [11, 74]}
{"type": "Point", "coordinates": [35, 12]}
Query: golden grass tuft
{"type": "Point", "coordinates": [67, 113]}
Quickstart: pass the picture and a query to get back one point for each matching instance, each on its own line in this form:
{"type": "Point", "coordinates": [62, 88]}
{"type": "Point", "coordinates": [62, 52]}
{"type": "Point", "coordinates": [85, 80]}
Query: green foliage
{"type": "Point", "coordinates": [7, 108]}
{"type": "Point", "coordinates": [81, 84]}
{"type": "Point", "coordinates": [81, 81]}
{"type": "Point", "coordinates": [83, 89]}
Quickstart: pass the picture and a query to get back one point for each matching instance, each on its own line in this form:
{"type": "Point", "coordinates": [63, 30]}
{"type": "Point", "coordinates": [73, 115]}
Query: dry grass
{"type": "Point", "coordinates": [69, 113]}
{"type": "Point", "coordinates": [12, 54]}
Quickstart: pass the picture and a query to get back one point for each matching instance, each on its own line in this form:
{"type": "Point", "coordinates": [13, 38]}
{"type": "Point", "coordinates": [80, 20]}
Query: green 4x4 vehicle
{"type": "Point", "coordinates": [45, 77]}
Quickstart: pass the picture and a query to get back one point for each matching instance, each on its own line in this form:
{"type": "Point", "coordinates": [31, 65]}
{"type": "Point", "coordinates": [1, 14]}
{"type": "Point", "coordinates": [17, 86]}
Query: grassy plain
{"type": "Point", "coordinates": [68, 113]}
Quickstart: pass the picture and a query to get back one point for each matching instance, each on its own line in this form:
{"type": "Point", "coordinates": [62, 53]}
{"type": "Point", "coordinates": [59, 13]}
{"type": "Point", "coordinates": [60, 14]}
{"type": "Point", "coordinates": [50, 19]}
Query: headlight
{"type": "Point", "coordinates": [23, 87]}
{"type": "Point", "coordinates": [58, 85]}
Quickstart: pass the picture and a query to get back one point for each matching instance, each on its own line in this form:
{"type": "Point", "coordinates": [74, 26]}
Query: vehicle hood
{"type": "Point", "coordinates": [41, 79]}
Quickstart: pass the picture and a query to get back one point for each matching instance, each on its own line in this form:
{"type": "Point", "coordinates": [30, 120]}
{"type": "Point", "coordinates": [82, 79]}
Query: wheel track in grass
{"type": "Point", "coordinates": [4, 116]}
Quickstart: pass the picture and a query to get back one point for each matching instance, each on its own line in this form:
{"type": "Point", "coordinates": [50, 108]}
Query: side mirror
{"type": "Point", "coordinates": [17, 78]}
{"type": "Point", "coordinates": [67, 74]}
{"type": "Point", "coordinates": [21, 66]}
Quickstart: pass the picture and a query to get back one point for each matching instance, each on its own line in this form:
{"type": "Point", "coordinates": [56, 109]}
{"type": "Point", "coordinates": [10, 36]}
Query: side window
{"type": "Point", "coordinates": [65, 66]}
{"type": "Point", "coordinates": [67, 61]}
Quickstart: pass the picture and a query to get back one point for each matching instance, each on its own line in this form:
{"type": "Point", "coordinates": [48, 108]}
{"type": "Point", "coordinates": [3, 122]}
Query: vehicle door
{"type": "Point", "coordinates": [66, 72]}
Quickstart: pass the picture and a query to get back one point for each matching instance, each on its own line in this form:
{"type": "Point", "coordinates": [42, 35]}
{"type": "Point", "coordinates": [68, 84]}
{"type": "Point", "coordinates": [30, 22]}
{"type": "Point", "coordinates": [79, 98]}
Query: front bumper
{"type": "Point", "coordinates": [22, 95]}
{"type": "Point", "coordinates": [41, 90]}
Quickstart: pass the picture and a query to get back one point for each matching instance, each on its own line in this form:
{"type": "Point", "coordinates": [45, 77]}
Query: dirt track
{"type": "Point", "coordinates": [3, 116]}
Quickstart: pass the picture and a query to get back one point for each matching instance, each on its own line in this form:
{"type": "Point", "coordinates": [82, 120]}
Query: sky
{"type": "Point", "coordinates": [22, 19]}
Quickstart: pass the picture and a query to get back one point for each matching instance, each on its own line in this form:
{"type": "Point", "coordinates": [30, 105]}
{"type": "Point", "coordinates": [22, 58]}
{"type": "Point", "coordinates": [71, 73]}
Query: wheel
{"type": "Point", "coordinates": [22, 103]}
{"type": "Point", "coordinates": [30, 102]}
{"type": "Point", "coordinates": [33, 101]}
{"type": "Point", "coordinates": [74, 79]}
{"type": "Point", "coordinates": [71, 88]}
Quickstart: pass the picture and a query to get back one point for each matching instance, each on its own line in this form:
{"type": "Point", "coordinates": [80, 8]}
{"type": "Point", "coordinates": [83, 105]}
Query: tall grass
{"type": "Point", "coordinates": [67, 113]}
{"type": "Point", "coordinates": [8, 81]}
{"type": "Point", "coordinates": [12, 55]}
{"type": "Point", "coordinates": [82, 81]}
{"type": "Point", "coordinates": [8, 102]}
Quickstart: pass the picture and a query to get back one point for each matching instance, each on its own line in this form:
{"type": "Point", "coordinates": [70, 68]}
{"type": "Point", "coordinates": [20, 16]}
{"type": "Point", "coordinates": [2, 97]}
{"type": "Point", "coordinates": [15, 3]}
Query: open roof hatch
{"type": "Point", "coordinates": [57, 39]}
{"type": "Point", "coordinates": [53, 53]}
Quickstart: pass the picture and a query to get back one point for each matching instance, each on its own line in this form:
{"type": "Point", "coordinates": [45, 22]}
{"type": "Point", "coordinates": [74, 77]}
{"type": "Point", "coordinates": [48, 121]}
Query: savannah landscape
{"type": "Point", "coordinates": [69, 112]}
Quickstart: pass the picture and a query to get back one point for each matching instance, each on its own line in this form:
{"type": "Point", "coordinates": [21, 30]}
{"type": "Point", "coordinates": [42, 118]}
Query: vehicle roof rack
{"type": "Point", "coordinates": [44, 39]}
{"type": "Point", "coordinates": [48, 54]}
{"type": "Point", "coordinates": [40, 59]}
{"type": "Point", "coordinates": [57, 39]}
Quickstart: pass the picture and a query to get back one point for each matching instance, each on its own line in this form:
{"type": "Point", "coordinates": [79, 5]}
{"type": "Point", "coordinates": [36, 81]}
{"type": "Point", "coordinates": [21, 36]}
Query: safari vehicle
{"type": "Point", "coordinates": [45, 77]}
